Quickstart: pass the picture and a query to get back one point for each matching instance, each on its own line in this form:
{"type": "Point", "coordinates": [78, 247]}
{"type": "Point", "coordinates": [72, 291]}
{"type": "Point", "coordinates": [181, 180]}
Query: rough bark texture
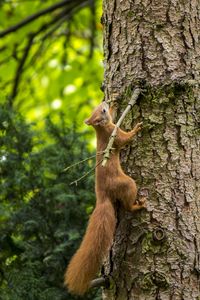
{"type": "Point", "coordinates": [155, 44]}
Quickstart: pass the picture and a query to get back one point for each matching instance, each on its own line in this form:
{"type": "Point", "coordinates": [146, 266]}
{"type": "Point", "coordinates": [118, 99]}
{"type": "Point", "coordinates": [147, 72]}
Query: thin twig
{"type": "Point", "coordinates": [22, 62]}
{"type": "Point", "coordinates": [93, 27]}
{"type": "Point", "coordinates": [20, 68]}
{"type": "Point", "coordinates": [134, 97]}
{"type": "Point", "coordinates": [61, 16]}
{"type": "Point", "coordinates": [71, 10]}
{"type": "Point", "coordinates": [57, 25]}
{"type": "Point", "coordinates": [35, 16]}
{"type": "Point", "coordinates": [78, 163]}
{"type": "Point", "coordinates": [44, 37]}
{"type": "Point", "coordinates": [86, 174]}
{"type": "Point", "coordinates": [82, 161]}
{"type": "Point", "coordinates": [64, 13]}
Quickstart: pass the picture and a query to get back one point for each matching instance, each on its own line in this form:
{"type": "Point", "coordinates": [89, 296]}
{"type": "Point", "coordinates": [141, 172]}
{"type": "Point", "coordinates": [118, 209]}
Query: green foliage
{"type": "Point", "coordinates": [43, 216]}
{"type": "Point", "coordinates": [63, 63]}
{"type": "Point", "coordinates": [46, 91]}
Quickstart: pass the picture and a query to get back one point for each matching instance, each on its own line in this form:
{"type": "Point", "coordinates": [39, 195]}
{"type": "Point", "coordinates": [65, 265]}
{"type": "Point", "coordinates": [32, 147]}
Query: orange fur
{"type": "Point", "coordinates": [111, 185]}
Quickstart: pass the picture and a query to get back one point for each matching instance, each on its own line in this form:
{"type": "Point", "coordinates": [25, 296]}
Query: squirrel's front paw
{"type": "Point", "coordinates": [138, 127]}
{"type": "Point", "coordinates": [142, 197]}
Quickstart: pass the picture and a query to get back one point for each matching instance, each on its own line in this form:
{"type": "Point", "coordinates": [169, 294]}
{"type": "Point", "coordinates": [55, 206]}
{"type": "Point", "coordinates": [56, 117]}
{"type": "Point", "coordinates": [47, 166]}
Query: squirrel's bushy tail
{"type": "Point", "coordinates": [95, 245]}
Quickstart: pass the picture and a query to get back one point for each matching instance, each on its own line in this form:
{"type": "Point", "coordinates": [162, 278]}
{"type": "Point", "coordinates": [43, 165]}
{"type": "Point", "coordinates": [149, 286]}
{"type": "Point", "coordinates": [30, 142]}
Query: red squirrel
{"type": "Point", "coordinates": [111, 184]}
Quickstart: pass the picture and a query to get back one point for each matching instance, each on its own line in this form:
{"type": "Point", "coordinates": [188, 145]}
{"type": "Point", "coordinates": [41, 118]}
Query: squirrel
{"type": "Point", "coordinates": [111, 184]}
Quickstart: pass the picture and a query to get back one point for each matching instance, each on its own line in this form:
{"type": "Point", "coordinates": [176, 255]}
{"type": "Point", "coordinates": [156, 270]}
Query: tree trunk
{"type": "Point", "coordinates": [155, 44]}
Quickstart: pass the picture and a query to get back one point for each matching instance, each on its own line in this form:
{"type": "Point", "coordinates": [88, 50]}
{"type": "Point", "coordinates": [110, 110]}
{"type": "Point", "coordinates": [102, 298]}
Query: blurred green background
{"type": "Point", "coordinates": [51, 69]}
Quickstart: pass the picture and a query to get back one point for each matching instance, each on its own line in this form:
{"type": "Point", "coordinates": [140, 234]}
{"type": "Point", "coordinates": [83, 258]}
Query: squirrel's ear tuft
{"type": "Point", "coordinates": [87, 121]}
{"type": "Point", "coordinates": [112, 112]}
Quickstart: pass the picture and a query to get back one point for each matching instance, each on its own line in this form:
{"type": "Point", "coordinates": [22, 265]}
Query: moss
{"type": "Point", "coordinates": [166, 94]}
{"type": "Point", "coordinates": [128, 92]}
{"type": "Point", "coordinates": [159, 26]}
{"type": "Point", "coordinates": [111, 285]}
{"type": "Point", "coordinates": [159, 96]}
{"type": "Point", "coordinates": [149, 245]}
{"type": "Point", "coordinates": [156, 119]}
{"type": "Point", "coordinates": [131, 14]}
{"type": "Point", "coordinates": [146, 283]}
{"type": "Point", "coordinates": [160, 280]}
{"type": "Point", "coordinates": [152, 280]}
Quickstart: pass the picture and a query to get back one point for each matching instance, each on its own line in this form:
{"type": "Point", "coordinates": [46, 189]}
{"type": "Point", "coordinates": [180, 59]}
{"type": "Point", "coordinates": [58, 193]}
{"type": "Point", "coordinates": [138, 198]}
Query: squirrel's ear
{"type": "Point", "coordinates": [112, 111]}
{"type": "Point", "coordinates": [87, 121]}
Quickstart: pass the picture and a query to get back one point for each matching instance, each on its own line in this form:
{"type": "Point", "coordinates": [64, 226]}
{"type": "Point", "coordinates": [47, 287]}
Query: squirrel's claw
{"type": "Point", "coordinates": [138, 127]}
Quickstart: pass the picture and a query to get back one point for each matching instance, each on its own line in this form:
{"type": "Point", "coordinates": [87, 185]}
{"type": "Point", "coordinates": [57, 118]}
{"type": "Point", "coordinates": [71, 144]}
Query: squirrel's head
{"type": "Point", "coordinates": [100, 117]}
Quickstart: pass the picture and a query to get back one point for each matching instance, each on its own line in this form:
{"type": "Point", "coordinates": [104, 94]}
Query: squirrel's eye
{"type": "Point", "coordinates": [104, 110]}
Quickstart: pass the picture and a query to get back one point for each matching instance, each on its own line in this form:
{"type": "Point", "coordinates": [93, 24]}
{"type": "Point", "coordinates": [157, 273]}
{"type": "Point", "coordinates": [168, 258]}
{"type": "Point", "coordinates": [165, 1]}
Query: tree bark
{"type": "Point", "coordinates": [155, 45]}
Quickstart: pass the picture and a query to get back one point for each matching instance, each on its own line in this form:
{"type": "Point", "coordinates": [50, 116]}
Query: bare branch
{"type": "Point", "coordinates": [67, 16]}
{"type": "Point", "coordinates": [27, 49]}
{"type": "Point", "coordinates": [93, 27]}
{"type": "Point", "coordinates": [98, 282]}
{"type": "Point", "coordinates": [108, 149]}
{"type": "Point", "coordinates": [86, 174]}
{"type": "Point", "coordinates": [82, 161]}
{"type": "Point", "coordinates": [59, 18]}
{"type": "Point", "coordinates": [78, 163]}
{"type": "Point", "coordinates": [36, 16]}
{"type": "Point", "coordinates": [44, 37]}
{"type": "Point", "coordinates": [57, 25]}
{"type": "Point", "coordinates": [20, 68]}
